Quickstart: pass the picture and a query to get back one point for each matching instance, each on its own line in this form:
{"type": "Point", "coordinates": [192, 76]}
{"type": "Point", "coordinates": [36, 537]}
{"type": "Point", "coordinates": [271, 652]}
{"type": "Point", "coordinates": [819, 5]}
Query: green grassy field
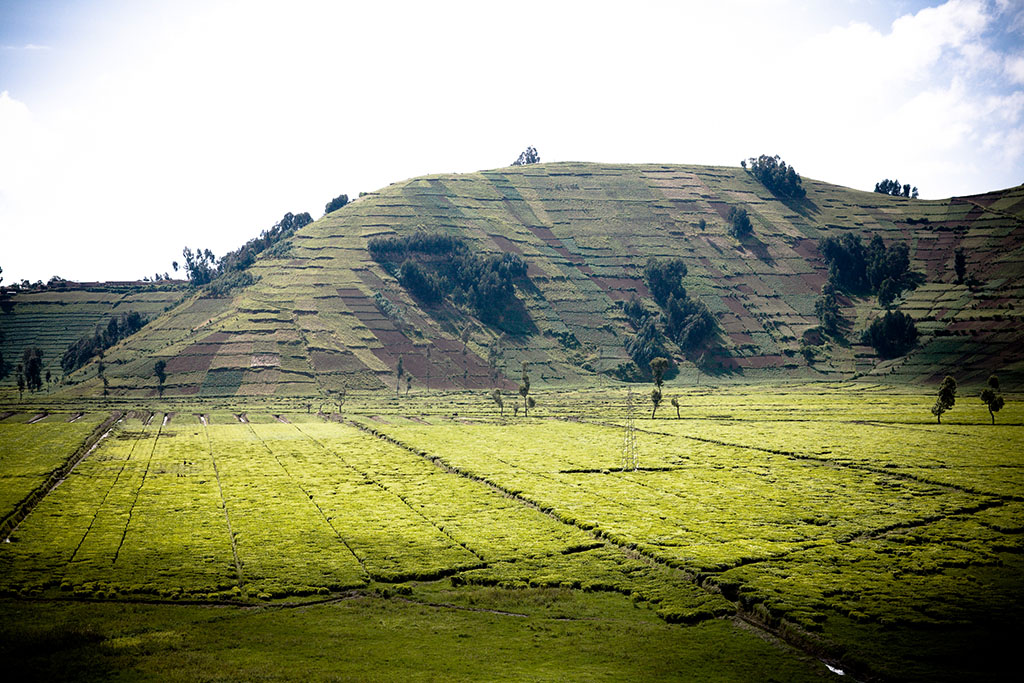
{"type": "Point", "coordinates": [766, 529]}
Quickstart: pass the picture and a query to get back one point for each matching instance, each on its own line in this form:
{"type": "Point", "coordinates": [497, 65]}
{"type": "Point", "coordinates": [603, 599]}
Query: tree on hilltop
{"type": "Point", "coordinates": [992, 398]}
{"type": "Point", "coordinates": [338, 202]}
{"type": "Point", "coordinates": [528, 156]}
{"type": "Point", "coordinates": [780, 179]}
{"type": "Point", "coordinates": [946, 398]}
{"type": "Point", "coordinates": [894, 189]}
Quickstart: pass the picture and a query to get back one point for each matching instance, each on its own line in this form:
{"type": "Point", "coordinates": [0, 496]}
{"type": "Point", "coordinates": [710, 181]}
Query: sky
{"type": "Point", "coordinates": [132, 128]}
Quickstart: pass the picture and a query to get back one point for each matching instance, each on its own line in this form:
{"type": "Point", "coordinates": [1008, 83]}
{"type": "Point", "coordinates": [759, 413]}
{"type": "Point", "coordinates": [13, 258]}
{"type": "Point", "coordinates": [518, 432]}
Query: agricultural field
{"type": "Point", "coordinates": [766, 532]}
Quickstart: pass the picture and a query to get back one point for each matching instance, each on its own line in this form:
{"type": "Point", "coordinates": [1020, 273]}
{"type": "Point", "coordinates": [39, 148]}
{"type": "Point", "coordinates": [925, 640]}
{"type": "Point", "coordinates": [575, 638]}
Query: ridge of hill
{"type": "Point", "coordinates": [322, 314]}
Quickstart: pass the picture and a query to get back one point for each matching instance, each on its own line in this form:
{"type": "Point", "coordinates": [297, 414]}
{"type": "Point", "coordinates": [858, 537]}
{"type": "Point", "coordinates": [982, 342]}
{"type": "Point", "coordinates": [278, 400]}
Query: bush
{"type": "Point", "coordinates": [740, 222]}
{"type": "Point", "coordinates": [892, 335]}
{"type": "Point", "coordinates": [338, 202]}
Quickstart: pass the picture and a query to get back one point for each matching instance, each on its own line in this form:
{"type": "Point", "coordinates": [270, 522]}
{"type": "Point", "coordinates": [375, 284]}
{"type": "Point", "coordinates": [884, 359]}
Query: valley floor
{"type": "Point", "coordinates": [760, 533]}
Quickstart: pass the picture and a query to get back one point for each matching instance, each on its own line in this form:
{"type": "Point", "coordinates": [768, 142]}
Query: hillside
{"type": "Point", "coordinates": [326, 315]}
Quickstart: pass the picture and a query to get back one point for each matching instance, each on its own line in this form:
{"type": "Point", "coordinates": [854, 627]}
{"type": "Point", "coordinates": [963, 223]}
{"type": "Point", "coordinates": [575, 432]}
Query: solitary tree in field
{"type": "Point", "coordinates": [740, 220]}
{"type": "Point", "coordinates": [946, 398]}
{"type": "Point", "coordinates": [959, 264]}
{"type": "Point", "coordinates": [496, 396]}
{"type": "Point", "coordinates": [21, 381]}
{"type": "Point", "coordinates": [160, 368]}
{"type": "Point", "coordinates": [675, 404]}
{"type": "Point", "coordinates": [524, 391]}
{"type": "Point", "coordinates": [408, 383]}
{"type": "Point", "coordinates": [32, 362]}
{"type": "Point", "coordinates": [992, 398]}
{"type": "Point", "coordinates": [399, 371]}
{"type": "Point", "coordinates": [658, 368]}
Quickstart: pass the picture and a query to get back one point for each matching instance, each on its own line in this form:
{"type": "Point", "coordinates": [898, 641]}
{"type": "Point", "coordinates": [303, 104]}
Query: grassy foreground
{"type": "Point", "coordinates": [428, 537]}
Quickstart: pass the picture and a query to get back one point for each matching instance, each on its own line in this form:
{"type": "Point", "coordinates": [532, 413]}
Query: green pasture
{"type": "Point", "coordinates": [780, 521]}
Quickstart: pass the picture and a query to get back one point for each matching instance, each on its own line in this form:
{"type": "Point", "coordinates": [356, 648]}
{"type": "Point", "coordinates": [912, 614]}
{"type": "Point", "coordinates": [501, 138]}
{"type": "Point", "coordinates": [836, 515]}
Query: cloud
{"type": "Point", "coordinates": [28, 47]}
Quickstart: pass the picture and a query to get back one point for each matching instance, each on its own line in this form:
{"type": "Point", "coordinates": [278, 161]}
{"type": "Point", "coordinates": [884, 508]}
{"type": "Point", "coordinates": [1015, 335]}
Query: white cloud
{"type": "Point", "coordinates": [203, 123]}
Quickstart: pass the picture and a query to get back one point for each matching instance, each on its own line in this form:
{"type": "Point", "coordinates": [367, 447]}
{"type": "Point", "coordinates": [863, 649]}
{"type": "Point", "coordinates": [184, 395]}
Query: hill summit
{"type": "Point", "coordinates": [543, 267]}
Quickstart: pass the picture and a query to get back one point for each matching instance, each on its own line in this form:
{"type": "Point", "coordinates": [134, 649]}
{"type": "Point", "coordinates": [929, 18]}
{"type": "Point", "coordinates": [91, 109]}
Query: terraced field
{"type": "Point", "coordinates": [839, 519]}
{"type": "Point", "coordinates": [323, 314]}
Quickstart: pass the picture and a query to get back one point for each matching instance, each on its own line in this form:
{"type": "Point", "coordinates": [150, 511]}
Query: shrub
{"type": "Point", "coordinates": [892, 335]}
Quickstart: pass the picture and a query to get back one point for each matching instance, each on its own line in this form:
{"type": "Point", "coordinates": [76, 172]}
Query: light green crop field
{"type": "Point", "coordinates": [764, 529]}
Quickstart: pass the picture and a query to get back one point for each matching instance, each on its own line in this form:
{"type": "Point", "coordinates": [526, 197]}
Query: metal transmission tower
{"type": "Point", "coordinates": [630, 456]}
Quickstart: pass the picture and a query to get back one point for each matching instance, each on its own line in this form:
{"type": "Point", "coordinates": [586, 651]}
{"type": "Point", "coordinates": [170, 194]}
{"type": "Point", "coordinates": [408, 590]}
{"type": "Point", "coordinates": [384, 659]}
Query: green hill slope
{"type": "Point", "coordinates": [326, 315]}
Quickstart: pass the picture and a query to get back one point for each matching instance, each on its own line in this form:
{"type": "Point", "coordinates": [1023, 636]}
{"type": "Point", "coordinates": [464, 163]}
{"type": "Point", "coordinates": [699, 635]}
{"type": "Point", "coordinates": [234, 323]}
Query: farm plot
{"type": "Point", "coordinates": [836, 548]}
{"type": "Point", "coordinates": [29, 453]}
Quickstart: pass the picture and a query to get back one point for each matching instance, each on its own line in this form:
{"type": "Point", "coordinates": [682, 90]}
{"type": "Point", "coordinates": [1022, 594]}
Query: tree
{"type": "Point", "coordinates": [959, 264]}
{"type": "Point", "coordinates": [740, 221]}
{"type": "Point", "coordinates": [827, 309]}
{"type": "Point", "coordinates": [399, 371]}
{"type": "Point", "coordinates": [408, 383]}
{"type": "Point", "coordinates": [160, 368]}
{"type": "Point", "coordinates": [21, 381]}
{"type": "Point", "coordinates": [892, 335]}
{"type": "Point", "coordinates": [200, 265]}
{"type": "Point", "coordinates": [675, 404]}
{"type": "Point", "coordinates": [528, 156]}
{"type": "Point", "coordinates": [524, 391]}
{"type": "Point", "coordinates": [32, 365]}
{"type": "Point", "coordinates": [893, 188]}
{"type": "Point", "coordinates": [946, 398]}
{"type": "Point", "coordinates": [992, 397]}
{"type": "Point", "coordinates": [658, 368]}
{"type": "Point", "coordinates": [781, 180]}
{"type": "Point", "coordinates": [338, 202]}
{"type": "Point", "coordinates": [496, 396]}
{"type": "Point", "coordinates": [655, 400]}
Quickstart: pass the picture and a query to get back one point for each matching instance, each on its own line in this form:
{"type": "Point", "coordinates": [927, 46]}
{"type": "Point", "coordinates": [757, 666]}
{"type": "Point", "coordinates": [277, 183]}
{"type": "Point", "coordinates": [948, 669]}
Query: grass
{"type": "Point", "coordinates": [836, 517]}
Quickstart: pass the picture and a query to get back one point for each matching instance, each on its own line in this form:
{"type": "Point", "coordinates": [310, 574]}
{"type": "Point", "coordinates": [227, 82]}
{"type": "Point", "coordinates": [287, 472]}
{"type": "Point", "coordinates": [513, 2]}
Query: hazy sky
{"type": "Point", "coordinates": [130, 128]}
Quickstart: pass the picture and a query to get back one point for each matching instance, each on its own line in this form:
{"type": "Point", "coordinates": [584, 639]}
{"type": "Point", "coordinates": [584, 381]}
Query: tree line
{"type": "Point", "coordinates": [436, 267]}
{"type": "Point", "coordinates": [88, 347]}
{"type": "Point", "coordinates": [684, 320]}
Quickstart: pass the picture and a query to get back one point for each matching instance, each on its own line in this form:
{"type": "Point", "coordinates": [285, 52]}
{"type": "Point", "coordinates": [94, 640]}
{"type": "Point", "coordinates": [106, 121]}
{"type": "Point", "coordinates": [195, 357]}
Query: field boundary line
{"type": "Point", "coordinates": [138, 491]}
{"type": "Point", "coordinates": [110, 488]}
{"type": "Point", "coordinates": [27, 504]}
{"type": "Point", "coordinates": [384, 488]}
{"type": "Point", "coordinates": [224, 504]}
{"type": "Point", "coordinates": [864, 467]}
{"type": "Point", "coordinates": [309, 498]}
{"type": "Point", "coordinates": [786, 631]}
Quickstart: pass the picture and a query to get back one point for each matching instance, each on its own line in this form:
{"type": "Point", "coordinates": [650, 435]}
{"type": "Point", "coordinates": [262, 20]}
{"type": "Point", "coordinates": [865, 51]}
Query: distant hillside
{"type": "Point", "coordinates": [327, 315]}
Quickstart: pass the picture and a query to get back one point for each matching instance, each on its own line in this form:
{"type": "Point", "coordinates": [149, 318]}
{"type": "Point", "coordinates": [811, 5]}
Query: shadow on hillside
{"type": "Point", "coordinates": [757, 248]}
{"type": "Point", "coordinates": [804, 207]}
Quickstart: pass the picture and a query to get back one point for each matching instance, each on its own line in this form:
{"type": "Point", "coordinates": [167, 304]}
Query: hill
{"type": "Point", "coordinates": [324, 314]}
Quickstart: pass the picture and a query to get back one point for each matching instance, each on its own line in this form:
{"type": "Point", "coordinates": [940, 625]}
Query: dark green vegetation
{"type": "Point", "coordinates": [839, 519]}
{"type": "Point", "coordinates": [321, 312]}
{"type": "Point", "coordinates": [893, 187]}
{"type": "Point", "coordinates": [774, 174]}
